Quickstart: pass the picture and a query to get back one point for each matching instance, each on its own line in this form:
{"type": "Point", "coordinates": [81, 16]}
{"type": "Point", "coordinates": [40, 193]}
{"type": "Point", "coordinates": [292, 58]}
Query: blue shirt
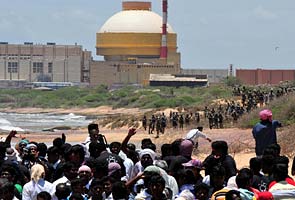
{"type": "Point", "coordinates": [265, 134]}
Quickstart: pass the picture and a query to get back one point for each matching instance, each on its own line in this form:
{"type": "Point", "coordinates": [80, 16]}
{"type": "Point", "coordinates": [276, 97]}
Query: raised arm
{"type": "Point", "coordinates": [9, 137]}
{"type": "Point", "coordinates": [131, 132]}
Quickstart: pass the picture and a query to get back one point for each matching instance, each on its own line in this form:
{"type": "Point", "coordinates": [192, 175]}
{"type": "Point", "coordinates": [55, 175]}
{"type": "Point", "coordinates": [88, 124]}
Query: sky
{"type": "Point", "coordinates": [210, 33]}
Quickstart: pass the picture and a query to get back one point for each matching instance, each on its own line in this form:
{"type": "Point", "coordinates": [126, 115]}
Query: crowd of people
{"type": "Point", "coordinates": [97, 170]}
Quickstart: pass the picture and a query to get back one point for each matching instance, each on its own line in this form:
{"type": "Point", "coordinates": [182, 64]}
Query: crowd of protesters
{"type": "Point", "coordinates": [97, 170]}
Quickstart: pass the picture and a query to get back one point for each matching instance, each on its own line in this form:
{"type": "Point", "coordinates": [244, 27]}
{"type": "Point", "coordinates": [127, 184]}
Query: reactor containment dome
{"type": "Point", "coordinates": [134, 32]}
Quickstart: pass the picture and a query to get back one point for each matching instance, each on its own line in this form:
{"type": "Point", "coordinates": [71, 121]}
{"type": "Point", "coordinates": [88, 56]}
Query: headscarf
{"type": "Point", "coordinates": [159, 171]}
{"type": "Point", "coordinates": [186, 148]}
{"type": "Point", "coordinates": [84, 168]}
{"type": "Point", "coordinates": [265, 115]}
{"type": "Point", "coordinates": [37, 172]}
{"type": "Point", "coordinates": [150, 152]}
{"type": "Point", "coordinates": [186, 194]}
{"type": "Point", "coordinates": [113, 167]}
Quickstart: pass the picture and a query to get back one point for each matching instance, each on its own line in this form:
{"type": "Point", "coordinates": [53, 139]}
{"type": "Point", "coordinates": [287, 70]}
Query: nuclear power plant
{"type": "Point", "coordinates": [135, 43]}
{"type": "Point", "coordinates": [138, 46]}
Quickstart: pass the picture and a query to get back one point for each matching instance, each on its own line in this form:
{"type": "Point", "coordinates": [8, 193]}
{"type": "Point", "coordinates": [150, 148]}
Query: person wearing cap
{"type": "Point", "coordinates": [20, 148]}
{"type": "Point", "coordinates": [264, 132]}
{"type": "Point", "coordinates": [30, 156]}
{"type": "Point", "coordinates": [85, 173]}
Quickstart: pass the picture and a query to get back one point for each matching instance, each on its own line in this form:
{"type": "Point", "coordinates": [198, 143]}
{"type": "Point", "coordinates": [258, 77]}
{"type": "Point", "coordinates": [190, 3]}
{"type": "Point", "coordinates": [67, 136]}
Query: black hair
{"type": "Point", "coordinates": [76, 196]}
{"type": "Point", "coordinates": [92, 126]}
{"type": "Point", "coordinates": [217, 171]}
{"type": "Point", "coordinates": [229, 194]}
{"type": "Point", "coordinates": [57, 142]}
{"type": "Point", "coordinates": [95, 148]}
{"type": "Point", "coordinates": [131, 146]}
{"type": "Point", "coordinates": [145, 141]}
{"type": "Point", "coordinates": [44, 195]}
{"type": "Point", "coordinates": [157, 179]}
{"type": "Point", "coordinates": [166, 150]}
{"type": "Point", "coordinates": [151, 146]}
{"type": "Point", "coordinates": [282, 160]}
{"type": "Point", "coordinates": [115, 144]}
{"type": "Point", "coordinates": [147, 177]}
{"type": "Point", "coordinates": [187, 175]}
{"type": "Point", "coordinates": [6, 186]}
{"type": "Point", "coordinates": [272, 149]}
{"type": "Point", "coordinates": [175, 147]}
{"type": "Point", "coordinates": [280, 172]}
{"type": "Point", "coordinates": [90, 162]}
{"type": "Point", "coordinates": [69, 165]}
{"type": "Point", "coordinates": [255, 164]}
{"type": "Point", "coordinates": [202, 186]}
{"type": "Point", "coordinates": [76, 149]}
{"type": "Point", "coordinates": [221, 146]}
{"type": "Point", "coordinates": [62, 190]}
{"type": "Point", "coordinates": [53, 150]}
{"type": "Point", "coordinates": [244, 177]}
{"type": "Point", "coordinates": [267, 162]}
{"type": "Point", "coordinates": [101, 169]}
{"type": "Point", "coordinates": [96, 182]}
{"type": "Point", "coordinates": [200, 128]}
{"type": "Point", "coordinates": [3, 147]}
{"type": "Point", "coordinates": [9, 169]}
{"type": "Point", "coordinates": [42, 148]}
{"type": "Point", "coordinates": [76, 182]}
{"type": "Point", "coordinates": [119, 191]}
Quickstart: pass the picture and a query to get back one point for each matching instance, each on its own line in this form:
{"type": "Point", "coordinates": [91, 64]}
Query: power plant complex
{"type": "Point", "coordinates": [138, 47]}
{"type": "Point", "coordinates": [135, 43]}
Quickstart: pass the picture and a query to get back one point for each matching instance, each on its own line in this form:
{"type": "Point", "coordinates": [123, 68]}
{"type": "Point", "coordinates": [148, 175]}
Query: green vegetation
{"type": "Point", "coordinates": [148, 97]}
{"type": "Point", "coordinates": [283, 109]}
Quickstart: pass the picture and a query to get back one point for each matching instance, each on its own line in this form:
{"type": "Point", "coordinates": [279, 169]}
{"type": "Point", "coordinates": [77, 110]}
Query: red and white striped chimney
{"type": "Point", "coordinates": [164, 49]}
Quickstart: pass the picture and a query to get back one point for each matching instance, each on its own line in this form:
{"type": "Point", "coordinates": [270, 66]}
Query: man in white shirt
{"type": "Point", "coordinates": [194, 134]}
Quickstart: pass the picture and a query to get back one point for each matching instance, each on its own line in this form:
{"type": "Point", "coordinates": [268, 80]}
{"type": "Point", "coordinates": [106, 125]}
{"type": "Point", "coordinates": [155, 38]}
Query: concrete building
{"type": "Point", "coordinates": [213, 75]}
{"type": "Point", "coordinates": [264, 76]}
{"type": "Point", "coordinates": [44, 62]}
{"type": "Point", "coordinates": [178, 80]}
{"type": "Point", "coordinates": [131, 42]}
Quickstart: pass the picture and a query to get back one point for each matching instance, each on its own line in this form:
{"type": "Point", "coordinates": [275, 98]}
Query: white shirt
{"type": "Point", "coordinates": [31, 189]}
{"type": "Point", "coordinates": [129, 165]}
{"type": "Point", "coordinates": [194, 134]}
{"type": "Point", "coordinates": [60, 180]}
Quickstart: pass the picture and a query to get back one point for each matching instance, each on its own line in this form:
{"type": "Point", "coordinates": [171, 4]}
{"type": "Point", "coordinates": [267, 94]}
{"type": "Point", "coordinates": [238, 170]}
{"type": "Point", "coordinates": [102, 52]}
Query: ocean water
{"type": "Point", "coordinates": [39, 122]}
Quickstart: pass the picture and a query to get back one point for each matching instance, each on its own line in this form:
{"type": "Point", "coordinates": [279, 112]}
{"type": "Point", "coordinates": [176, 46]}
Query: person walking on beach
{"type": "Point", "coordinates": [264, 132]}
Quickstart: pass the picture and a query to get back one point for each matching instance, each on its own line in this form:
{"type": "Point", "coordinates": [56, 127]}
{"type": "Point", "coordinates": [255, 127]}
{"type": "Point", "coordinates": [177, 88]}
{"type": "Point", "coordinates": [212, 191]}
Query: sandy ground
{"type": "Point", "coordinates": [240, 141]}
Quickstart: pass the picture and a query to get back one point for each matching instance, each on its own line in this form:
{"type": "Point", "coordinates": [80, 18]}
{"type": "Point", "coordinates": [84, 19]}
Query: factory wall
{"type": "Point", "coordinates": [214, 75]}
{"type": "Point", "coordinates": [108, 73]}
{"type": "Point", "coordinates": [264, 76]}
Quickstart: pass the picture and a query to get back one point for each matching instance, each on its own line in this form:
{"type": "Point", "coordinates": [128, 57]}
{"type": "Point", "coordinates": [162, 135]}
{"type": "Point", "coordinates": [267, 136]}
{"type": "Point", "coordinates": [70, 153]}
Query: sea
{"type": "Point", "coordinates": [40, 122]}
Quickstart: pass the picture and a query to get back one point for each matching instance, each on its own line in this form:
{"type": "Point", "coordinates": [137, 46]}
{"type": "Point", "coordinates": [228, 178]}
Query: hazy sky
{"type": "Point", "coordinates": [211, 33]}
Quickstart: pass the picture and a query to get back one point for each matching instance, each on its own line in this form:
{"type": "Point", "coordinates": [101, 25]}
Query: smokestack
{"type": "Point", "coordinates": [164, 49]}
